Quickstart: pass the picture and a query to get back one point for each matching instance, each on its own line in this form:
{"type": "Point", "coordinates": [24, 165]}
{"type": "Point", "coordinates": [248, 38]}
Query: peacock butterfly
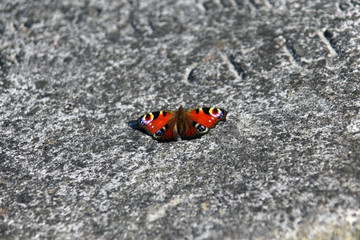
{"type": "Point", "coordinates": [166, 126]}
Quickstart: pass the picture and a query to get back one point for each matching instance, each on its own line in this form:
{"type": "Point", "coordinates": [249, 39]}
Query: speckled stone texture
{"type": "Point", "coordinates": [76, 74]}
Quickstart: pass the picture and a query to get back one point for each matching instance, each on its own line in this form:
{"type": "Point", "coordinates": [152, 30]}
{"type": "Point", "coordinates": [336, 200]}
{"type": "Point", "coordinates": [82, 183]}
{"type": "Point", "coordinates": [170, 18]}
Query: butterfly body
{"type": "Point", "coordinates": [165, 126]}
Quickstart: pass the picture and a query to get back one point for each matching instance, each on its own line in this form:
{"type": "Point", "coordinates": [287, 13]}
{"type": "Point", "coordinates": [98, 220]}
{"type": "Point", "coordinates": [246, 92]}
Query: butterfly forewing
{"type": "Point", "coordinates": [154, 121]}
{"type": "Point", "coordinates": [207, 117]}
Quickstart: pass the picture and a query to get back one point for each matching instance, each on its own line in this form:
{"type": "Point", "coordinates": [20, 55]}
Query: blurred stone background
{"type": "Point", "coordinates": [74, 75]}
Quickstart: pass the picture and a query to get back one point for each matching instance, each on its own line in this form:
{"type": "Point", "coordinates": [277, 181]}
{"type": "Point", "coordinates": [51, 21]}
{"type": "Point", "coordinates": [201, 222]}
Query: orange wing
{"type": "Point", "coordinates": [207, 117]}
{"type": "Point", "coordinates": [200, 120]}
{"type": "Point", "coordinates": [160, 125]}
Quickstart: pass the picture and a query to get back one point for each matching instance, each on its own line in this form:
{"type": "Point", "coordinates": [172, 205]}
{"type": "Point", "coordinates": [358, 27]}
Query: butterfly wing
{"type": "Point", "coordinates": [200, 120]}
{"type": "Point", "coordinates": [160, 125]}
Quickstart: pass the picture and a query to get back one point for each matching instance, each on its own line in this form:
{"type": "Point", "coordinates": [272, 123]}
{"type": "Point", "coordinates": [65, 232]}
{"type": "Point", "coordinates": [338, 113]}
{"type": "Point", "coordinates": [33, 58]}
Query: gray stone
{"type": "Point", "coordinates": [75, 75]}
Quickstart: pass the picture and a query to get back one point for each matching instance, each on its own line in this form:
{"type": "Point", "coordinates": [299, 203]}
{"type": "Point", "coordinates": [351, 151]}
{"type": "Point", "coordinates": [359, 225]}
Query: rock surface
{"type": "Point", "coordinates": [76, 74]}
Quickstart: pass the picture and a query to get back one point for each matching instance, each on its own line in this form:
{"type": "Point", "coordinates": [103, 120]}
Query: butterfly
{"type": "Point", "coordinates": [166, 126]}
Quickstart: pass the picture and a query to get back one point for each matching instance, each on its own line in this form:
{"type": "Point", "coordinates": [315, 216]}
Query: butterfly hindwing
{"type": "Point", "coordinates": [194, 130]}
{"type": "Point", "coordinates": [168, 134]}
{"type": "Point", "coordinates": [159, 125]}
{"type": "Point", "coordinates": [200, 120]}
